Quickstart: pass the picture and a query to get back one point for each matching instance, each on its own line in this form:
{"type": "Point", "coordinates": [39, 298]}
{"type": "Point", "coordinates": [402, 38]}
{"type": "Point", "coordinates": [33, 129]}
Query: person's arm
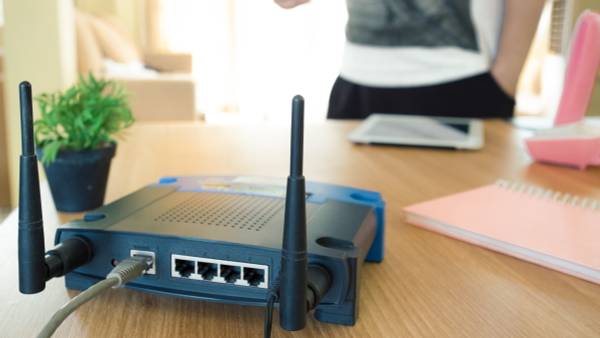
{"type": "Point", "coordinates": [518, 28]}
{"type": "Point", "coordinates": [290, 3]}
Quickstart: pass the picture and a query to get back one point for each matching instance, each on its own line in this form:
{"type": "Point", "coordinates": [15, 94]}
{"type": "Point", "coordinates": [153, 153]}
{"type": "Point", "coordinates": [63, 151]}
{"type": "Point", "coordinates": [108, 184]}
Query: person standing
{"type": "Point", "coordinates": [432, 57]}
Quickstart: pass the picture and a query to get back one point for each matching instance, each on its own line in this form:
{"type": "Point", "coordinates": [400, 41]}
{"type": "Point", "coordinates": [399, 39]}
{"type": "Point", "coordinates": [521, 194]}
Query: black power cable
{"type": "Point", "coordinates": [269, 314]}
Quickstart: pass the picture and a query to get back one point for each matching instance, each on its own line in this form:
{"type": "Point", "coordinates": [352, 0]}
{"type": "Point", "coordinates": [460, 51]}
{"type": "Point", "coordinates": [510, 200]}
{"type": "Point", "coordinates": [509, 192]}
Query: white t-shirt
{"type": "Point", "coordinates": [408, 66]}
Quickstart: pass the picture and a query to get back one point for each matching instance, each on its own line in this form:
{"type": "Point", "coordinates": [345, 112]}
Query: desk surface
{"type": "Point", "coordinates": [428, 285]}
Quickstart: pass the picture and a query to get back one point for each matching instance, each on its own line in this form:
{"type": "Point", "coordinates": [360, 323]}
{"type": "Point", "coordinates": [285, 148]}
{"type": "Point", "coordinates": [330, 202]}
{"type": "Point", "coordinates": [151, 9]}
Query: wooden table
{"type": "Point", "coordinates": [428, 285]}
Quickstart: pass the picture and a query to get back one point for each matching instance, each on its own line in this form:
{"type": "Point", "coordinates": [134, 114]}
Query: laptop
{"type": "Point", "coordinates": [421, 131]}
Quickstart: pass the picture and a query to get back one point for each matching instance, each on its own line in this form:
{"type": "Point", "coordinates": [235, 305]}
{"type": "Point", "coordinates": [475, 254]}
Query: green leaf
{"type": "Point", "coordinates": [87, 115]}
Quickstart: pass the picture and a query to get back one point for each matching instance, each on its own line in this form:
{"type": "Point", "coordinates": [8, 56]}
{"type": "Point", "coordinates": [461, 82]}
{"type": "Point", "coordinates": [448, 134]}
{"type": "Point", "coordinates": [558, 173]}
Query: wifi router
{"type": "Point", "coordinates": [238, 240]}
{"type": "Point", "coordinates": [219, 239]}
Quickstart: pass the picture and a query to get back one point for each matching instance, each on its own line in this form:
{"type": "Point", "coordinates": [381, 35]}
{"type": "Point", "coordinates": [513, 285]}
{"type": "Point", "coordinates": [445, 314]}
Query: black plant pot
{"type": "Point", "coordinates": [78, 178]}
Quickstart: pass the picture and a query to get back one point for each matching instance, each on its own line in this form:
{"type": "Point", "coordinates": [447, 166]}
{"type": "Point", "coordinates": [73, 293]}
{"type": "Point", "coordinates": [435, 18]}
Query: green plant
{"type": "Point", "coordinates": [85, 116]}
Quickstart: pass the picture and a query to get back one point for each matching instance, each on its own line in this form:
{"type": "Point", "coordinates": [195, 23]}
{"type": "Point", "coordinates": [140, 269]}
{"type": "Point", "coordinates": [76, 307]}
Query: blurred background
{"type": "Point", "coordinates": [227, 61]}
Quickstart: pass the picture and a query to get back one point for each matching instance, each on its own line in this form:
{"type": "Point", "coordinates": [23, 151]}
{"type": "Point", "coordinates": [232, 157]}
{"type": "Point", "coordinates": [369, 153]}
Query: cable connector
{"type": "Point", "coordinates": [126, 271]}
{"type": "Point", "coordinates": [130, 269]}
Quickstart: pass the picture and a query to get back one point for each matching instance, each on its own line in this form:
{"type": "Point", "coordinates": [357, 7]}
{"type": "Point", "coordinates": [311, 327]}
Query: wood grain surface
{"type": "Point", "coordinates": [427, 286]}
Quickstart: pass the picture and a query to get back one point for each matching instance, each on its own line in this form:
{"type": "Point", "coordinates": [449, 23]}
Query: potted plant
{"type": "Point", "coordinates": [75, 140]}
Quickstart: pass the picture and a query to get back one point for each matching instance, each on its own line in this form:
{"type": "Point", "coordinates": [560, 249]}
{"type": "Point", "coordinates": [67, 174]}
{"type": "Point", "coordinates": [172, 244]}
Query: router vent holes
{"type": "Point", "coordinates": [224, 210]}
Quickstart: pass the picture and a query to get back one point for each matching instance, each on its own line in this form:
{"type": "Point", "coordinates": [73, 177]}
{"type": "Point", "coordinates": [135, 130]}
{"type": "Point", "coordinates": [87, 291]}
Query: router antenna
{"type": "Point", "coordinates": [35, 265]}
{"type": "Point", "coordinates": [32, 267]}
{"type": "Point", "coordinates": [293, 291]}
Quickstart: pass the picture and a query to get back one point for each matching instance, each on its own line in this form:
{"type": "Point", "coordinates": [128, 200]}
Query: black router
{"type": "Point", "coordinates": [238, 240]}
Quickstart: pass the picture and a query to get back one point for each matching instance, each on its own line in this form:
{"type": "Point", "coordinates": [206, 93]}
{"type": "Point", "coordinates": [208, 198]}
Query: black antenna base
{"type": "Point", "coordinates": [319, 281]}
{"type": "Point", "coordinates": [68, 256]}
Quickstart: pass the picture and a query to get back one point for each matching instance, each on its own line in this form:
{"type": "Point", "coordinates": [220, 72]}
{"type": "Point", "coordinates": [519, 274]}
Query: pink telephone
{"type": "Point", "coordinates": [574, 141]}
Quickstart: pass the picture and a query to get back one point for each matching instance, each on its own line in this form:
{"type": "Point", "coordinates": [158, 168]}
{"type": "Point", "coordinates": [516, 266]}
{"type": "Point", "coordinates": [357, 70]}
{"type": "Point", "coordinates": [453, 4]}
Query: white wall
{"type": "Point", "coordinates": [39, 46]}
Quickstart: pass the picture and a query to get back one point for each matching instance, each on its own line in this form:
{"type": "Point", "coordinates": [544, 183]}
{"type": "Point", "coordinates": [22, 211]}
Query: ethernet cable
{"type": "Point", "coordinates": [126, 271]}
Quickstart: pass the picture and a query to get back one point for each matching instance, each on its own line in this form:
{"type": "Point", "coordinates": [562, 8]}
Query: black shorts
{"type": "Point", "coordinates": [476, 96]}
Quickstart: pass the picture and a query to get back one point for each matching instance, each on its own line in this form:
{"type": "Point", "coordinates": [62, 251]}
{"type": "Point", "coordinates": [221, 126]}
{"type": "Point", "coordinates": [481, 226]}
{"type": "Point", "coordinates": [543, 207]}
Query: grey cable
{"type": "Point", "coordinates": [126, 271]}
{"type": "Point", "coordinates": [60, 315]}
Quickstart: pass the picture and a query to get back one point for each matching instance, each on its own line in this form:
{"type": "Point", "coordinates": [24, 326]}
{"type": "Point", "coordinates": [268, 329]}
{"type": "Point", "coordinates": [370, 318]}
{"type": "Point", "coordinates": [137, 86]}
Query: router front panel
{"type": "Point", "coordinates": [220, 240]}
{"type": "Point", "coordinates": [223, 272]}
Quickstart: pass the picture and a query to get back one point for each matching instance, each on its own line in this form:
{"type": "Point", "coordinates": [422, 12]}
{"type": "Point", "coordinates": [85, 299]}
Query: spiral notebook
{"type": "Point", "coordinates": [552, 229]}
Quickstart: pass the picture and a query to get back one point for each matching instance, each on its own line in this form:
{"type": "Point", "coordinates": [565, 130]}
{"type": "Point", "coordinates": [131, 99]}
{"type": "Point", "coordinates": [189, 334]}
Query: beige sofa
{"type": "Point", "coordinates": [165, 93]}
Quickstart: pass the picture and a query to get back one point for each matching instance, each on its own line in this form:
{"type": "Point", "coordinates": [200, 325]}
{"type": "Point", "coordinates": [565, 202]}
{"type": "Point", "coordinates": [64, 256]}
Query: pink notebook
{"type": "Point", "coordinates": [555, 230]}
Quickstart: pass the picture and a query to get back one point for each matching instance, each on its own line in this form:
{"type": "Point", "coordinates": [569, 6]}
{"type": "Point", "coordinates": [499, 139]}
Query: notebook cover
{"type": "Point", "coordinates": [520, 223]}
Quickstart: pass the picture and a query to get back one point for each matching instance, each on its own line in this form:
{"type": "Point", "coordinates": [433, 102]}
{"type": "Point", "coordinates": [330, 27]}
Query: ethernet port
{"type": "Point", "coordinates": [184, 267]}
{"type": "Point", "coordinates": [207, 270]}
{"type": "Point", "coordinates": [254, 276]}
{"type": "Point", "coordinates": [230, 273]}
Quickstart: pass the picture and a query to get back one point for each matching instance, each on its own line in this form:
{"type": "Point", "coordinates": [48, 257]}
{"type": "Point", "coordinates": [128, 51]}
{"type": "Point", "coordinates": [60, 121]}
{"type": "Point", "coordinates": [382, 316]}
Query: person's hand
{"type": "Point", "coordinates": [290, 3]}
